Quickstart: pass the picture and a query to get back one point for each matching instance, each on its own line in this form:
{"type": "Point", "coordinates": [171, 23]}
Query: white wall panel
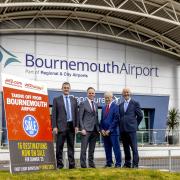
{"type": "Point", "coordinates": [138, 56]}
{"type": "Point", "coordinates": [82, 53]}
{"type": "Point", "coordinates": [80, 41]}
{"type": "Point", "coordinates": [110, 87]}
{"type": "Point", "coordinates": [167, 71]}
{"type": "Point", "coordinates": [112, 79]}
{"type": "Point", "coordinates": [110, 55]}
{"type": "Point", "coordinates": [52, 39]}
{"type": "Point", "coordinates": [163, 82]}
{"type": "Point", "coordinates": [140, 89]}
{"type": "Point", "coordinates": [18, 45]}
{"type": "Point", "coordinates": [166, 91]}
{"type": "Point", "coordinates": [110, 45]}
{"type": "Point", "coordinates": [160, 60]}
{"type": "Point", "coordinates": [143, 81]}
{"type": "Point", "coordinates": [83, 86]}
{"type": "Point", "coordinates": [50, 49]}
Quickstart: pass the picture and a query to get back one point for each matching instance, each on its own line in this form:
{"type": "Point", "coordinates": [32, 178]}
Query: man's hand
{"type": "Point", "coordinates": [107, 132]}
{"type": "Point", "coordinates": [55, 130]}
{"type": "Point", "coordinates": [83, 132]}
{"type": "Point", "coordinates": [103, 132]}
{"type": "Point", "coordinates": [76, 130]}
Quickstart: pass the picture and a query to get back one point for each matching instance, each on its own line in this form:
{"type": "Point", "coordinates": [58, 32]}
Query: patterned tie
{"type": "Point", "coordinates": [67, 108]}
{"type": "Point", "coordinates": [93, 106]}
{"type": "Point", "coordinates": [107, 110]}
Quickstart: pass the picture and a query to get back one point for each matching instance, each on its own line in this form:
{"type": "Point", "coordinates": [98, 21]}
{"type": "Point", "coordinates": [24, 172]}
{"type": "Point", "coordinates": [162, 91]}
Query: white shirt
{"type": "Point", "coordinates": [91, 104]}
{"type": "Point", "coordinates": [109, 104]}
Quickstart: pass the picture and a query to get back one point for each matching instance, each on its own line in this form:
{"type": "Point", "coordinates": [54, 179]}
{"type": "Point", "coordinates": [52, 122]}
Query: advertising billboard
{"type": "Point", "coordinates": [28, 124]}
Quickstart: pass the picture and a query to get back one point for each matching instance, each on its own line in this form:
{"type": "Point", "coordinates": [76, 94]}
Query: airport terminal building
{"type": "Point", "coordinates": [106, 44]}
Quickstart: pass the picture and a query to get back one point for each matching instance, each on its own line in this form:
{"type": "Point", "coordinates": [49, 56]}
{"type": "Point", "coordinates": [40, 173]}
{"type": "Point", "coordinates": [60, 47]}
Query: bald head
{"type": "Point", "coordinates": [126, 93]}
{"type": "Point", "coordinates": [108, 97]}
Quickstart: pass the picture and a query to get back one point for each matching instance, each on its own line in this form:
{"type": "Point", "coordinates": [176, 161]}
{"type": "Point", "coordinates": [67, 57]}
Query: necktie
{"type": "Point", "coordinates": [107, 109]}
{"type": "Point", "coordinates": [67, 108]}
{"type": "Point", "coordinates": [125, 106]}
{"type": "Point", "coordinates": [92, 103]}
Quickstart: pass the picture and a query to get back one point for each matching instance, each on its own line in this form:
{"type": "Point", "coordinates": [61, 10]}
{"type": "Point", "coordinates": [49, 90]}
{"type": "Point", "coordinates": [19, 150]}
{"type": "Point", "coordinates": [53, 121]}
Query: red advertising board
{"type": "Point", "coordinates": [28, 124]}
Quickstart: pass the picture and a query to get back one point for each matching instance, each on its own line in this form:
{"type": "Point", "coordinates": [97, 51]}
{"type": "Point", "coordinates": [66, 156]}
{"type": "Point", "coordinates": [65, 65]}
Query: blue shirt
{"type": "Point", "coordinates": [126, 103]}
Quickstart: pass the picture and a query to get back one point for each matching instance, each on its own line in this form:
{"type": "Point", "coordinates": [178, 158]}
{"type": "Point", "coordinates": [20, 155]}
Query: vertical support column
{"type": "Point", "coordinates": [178, 96]}
{"type": "Point", "coordinates": [1, 109]}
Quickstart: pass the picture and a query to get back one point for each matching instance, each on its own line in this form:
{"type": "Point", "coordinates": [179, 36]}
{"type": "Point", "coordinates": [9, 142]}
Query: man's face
{"type": "Point", "coordinates": [91, 94]}
{"type": "Point", "coordinates": [66, 89]}
{"type": "Point", "coordinates": [126, 94]}
{"type": "Point", "coordinates": [108, 99]}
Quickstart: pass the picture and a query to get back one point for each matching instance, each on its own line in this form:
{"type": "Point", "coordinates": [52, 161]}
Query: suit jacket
{"type": "Point", "coordinates": [59, 116]}
{"type": "Point", "coordinates": [87, 118]}
{"type": "Point", "coordinates": [130, 119]}
{"type": "Point", "coordinates": [110, 121]}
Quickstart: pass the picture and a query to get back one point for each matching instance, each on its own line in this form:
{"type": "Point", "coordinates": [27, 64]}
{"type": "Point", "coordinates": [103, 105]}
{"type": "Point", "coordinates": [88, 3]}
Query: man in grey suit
{"type": "Point", "coordinates": [64, 123]}
{"type": "Point", "coordinates": [89, 124]}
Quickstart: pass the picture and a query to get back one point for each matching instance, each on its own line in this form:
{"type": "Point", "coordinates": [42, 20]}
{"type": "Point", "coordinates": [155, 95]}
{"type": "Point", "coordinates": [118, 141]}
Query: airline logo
{"type": "Point", "coordinates": [35, 87]}
{"type": "Point", "coordinates": [7, 57]}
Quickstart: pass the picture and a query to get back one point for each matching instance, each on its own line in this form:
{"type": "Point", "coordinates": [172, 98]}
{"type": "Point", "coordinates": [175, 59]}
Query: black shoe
{"type": "Point", "coordinates": [117, 166]}
{"type": "Point", "coordinates": [125, 166]}
{"type": "Point", "coordinates": [107, 166]}
{"type": "Point", "coordinates": [83, 166]}
{"type": "Point", "coordinates": [60, 167]}
{"type": "Point", "coordinates": [72, 167]}
{"type": "Point", "coordinates": [135, 166]}
{"type": "Point", "coordinates": [92, 166]}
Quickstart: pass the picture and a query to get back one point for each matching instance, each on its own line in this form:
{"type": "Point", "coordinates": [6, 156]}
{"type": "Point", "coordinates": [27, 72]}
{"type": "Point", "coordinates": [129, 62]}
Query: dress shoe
{"type": "Point", "coordinates": [107, 166]}
{"type": "Point", "coordinates": [125, 166]}
{"type": "Point", "coordinates": [60, 167]}
{"type": "Point", "coordinates": [135, 166]}
{"type": "Point", "coordinates": [72, 167]}
{"type": "Point", "coordinates": [117, 166]}
{"type": "Point", "coordinates": [83, 166]}
{"type": "Point", "coordinates": [92, 166]}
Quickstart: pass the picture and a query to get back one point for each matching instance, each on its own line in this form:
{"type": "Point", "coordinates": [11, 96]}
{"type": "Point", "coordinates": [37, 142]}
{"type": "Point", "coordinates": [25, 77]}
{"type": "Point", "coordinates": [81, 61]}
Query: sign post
{"type": "Point", "coordinates": [28, 124]}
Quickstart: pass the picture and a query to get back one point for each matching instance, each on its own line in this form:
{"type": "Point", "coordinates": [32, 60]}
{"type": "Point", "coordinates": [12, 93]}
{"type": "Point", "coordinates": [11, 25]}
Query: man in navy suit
{"type": "Point", "coordinates": [130, 117]}
{"type": "Point", "coordinates": [109, 127]}
{"type": "Point", "coordinates": [65, 124]}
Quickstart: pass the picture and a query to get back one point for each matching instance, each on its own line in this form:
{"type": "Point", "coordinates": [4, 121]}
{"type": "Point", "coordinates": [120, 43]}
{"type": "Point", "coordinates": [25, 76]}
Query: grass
{"type": "Point", "coordinates": [93, 174]}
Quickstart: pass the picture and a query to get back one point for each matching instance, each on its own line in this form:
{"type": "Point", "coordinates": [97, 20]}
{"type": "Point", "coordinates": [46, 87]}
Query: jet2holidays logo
{"type": "Point", "coordinates": [6, 57]}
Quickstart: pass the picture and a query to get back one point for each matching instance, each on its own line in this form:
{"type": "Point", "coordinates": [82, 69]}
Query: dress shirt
{"type": "Point", "coordinates": [91, 104]}
{"type": "Point", "coordinates": [69, 105]}
{"type": "Point", "coordinates": [126, 103]}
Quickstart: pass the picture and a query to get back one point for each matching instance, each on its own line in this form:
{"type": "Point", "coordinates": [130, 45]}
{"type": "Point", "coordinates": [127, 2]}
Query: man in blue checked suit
{"type": "Point", "coordinates": [130, 118]}
{"type": "Point", "coordinates": [109, 127]}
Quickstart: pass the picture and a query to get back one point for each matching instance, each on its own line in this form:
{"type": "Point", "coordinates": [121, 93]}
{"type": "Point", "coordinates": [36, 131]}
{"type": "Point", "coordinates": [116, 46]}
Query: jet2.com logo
{"type": "Point", "coordinates": [7, 57]}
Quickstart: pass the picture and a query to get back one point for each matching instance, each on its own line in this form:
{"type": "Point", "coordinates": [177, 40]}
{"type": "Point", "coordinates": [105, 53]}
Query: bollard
{"type": "Point", "coordinates": [170, 165]}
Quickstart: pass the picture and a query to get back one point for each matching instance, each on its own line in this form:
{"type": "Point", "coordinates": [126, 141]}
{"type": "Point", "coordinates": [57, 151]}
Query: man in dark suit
{"type": "Point", "coordinates": [130, 117]}
{"type": "Point", "coordinates": [109, 127]}
{"type": "Point", "coordinates": [64, 123]}
{"type": "Point", "coordinates": [88, 116]}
